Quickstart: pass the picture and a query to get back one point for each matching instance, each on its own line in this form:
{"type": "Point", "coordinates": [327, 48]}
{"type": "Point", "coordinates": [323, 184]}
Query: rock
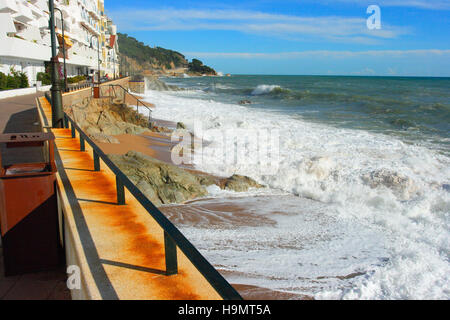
{"type": "Point", "coordinates": [162, 183]}
{"type": "Point", "coordinates": [101, 137]}
{"type": "Point", "coordinates": [243, 102]}
{"type": "Point", "coordinates": [152, 83]}
{"type": "Point", "coordinates": [239, 183]}
{"type": "Point", "coordinates": [402, 186]}
{"type": "Point", "coordinates": [206, 180]}
{"type": "Point", "coordinates": [121, 128]}
{"type": "Point", "coordinates": [180, 125]}
{"type": "Point", "coordinates": [99, 116]}
{"type": "Point", "coordinates": [161, 129]}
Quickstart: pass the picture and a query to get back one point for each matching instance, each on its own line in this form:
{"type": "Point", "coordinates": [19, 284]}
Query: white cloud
{"type": "Point", "coordinates": [332, 28]}
{"type": "Point", "coordinates": [320, 53]}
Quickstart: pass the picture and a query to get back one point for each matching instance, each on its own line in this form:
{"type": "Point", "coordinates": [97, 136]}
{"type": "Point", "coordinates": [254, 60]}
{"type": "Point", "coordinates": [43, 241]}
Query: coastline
{"type": "Point", "coordinates": [158, 146]}
{"type": "Point", "coordinates": [325, 241]}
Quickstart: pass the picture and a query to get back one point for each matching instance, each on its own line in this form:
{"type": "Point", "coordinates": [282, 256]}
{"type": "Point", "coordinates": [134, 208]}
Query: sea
{"type": "Point", "coordinates": [359, 197]}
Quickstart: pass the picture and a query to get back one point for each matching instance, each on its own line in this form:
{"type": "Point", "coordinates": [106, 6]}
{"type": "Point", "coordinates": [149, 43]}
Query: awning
{"type": "Point", "coordinates": [112, 40]}
{"type": "Point", "coordinates": [67, 42]}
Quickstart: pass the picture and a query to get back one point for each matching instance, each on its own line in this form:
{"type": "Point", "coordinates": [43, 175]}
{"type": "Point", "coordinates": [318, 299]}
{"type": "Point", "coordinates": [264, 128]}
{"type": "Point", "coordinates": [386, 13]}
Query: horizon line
{"type": "Point", "coordinates": [334, 75]}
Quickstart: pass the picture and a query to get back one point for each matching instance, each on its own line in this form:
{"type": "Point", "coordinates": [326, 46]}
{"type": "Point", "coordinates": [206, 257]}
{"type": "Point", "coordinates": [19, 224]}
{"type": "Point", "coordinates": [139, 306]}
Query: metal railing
{"type": "Point", "coordinates": [78, 86]}
{"type": "Point", "coordinates": [173, 238]}
{"type": "Point", "coordinates": [125, 93]}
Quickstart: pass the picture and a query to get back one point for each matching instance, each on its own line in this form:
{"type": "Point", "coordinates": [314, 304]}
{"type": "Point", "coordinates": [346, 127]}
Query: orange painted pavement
{"type": "Point", "coordinates": [129, 244]}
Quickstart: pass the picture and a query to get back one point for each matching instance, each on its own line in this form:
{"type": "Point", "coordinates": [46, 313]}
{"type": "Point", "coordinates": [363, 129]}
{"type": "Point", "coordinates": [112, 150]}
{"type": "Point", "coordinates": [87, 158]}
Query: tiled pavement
{"type": "Point", "coordinates": [19, 114]}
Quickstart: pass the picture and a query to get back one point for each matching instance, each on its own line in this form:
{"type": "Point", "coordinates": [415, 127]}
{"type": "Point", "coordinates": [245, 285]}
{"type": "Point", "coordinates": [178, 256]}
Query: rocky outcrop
{"type": "Point", "coordinates": [101, 137]}
{"type": "Point", "coordinates": [165, 183]}
{"type": "Point", "coordinates": [401, 186]}
{"type": "Point", "coordinates": [239, 183]}
{"type": "Point", "coordinates": [101, 119]}
{"type": "Point", "coordinates": [162, 183]}
{"type": "Point", "coordinates": [152, 83]}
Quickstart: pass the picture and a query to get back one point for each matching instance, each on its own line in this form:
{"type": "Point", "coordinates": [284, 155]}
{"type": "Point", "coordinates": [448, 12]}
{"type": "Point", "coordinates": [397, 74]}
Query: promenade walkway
{"type": "Point", "coordinates": [118, 248]}
{"type": "Point", "coordinates": [18, 115]}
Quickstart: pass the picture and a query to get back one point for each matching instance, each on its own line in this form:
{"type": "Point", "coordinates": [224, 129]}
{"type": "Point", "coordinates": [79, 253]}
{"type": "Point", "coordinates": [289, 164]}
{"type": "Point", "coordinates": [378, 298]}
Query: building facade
{"type": "Point", "coordinates": [25, 42]}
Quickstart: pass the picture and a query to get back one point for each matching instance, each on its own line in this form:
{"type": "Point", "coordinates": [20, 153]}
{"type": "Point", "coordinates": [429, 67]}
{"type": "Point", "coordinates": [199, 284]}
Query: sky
{"type": "Point", "coordinates": [297, 37]}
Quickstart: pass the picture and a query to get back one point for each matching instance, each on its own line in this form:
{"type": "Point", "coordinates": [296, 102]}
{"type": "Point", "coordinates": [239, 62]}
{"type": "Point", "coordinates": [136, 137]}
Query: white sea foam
{"type": "Point", "coordinates": [264, 89]}
{"type": "Point", "coordinates": [375, 196]}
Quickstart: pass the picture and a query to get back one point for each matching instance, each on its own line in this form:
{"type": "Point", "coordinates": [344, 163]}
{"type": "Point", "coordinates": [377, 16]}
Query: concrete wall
{"type": "Point", "coordinates": [21, 92]}
{"type": "Point", "coordinates": [82, 95]}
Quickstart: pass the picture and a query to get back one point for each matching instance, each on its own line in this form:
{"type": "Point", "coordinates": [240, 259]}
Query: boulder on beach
{"type": "Point", "coordinates": [403, 187]}
{"type": "Point", "coordinates": [161, 182]}
{"type": "Point", "coordinates": [164, 183]}
{"type": "Point", "coordinates": [239, 183]}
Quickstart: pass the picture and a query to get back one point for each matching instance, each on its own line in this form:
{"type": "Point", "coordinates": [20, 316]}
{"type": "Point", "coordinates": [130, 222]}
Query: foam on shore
{"type": "Point", "coordinates": [380, 204]}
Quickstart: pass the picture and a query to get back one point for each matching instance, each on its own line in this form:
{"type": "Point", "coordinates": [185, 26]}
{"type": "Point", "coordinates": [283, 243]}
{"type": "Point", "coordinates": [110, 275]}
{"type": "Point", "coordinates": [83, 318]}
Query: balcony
{"type": "Point", "coordinates": [37, 12]}
{"type": "Point", "coordinates": [18, 48]}
{"type": "Point", "coordinates": [24, 14]}
{"type": "Point", "coordinates": [7, 27]}
{"type": "Point", "coordinates": [41, 4]}
{"type": "Point", "coordinates": [8, 6]}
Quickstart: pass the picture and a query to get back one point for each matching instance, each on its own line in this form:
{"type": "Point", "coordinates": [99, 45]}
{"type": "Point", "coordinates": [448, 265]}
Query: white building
{"type": "Point", "coordinates": [25, 42]}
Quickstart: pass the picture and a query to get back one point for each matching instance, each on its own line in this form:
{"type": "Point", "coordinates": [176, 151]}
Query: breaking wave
{"type": "Point", "coordinates": [392, 196]}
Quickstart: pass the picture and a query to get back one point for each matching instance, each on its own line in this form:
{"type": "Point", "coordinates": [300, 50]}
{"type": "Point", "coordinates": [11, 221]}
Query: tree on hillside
{"type": "Point", "coordinates": [198, 67]}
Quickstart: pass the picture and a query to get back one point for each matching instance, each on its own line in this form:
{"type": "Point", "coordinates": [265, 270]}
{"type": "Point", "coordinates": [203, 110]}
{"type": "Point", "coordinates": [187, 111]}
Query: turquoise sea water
{"type": "Point", "coordinates": [414, 109]}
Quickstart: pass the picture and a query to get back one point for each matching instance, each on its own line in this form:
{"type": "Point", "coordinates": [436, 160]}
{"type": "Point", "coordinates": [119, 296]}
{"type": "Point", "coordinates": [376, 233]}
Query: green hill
{"type": "Point", "coordinates": [136, 57]}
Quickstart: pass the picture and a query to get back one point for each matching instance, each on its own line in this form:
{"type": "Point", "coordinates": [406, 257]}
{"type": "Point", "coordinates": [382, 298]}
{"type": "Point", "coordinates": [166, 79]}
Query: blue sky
{"type": "Point", "coordinates": [296, 36]}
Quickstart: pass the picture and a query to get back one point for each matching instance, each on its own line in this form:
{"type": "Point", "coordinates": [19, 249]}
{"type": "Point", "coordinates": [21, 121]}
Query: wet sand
{"type": "Point", "coordinates": [249, 292]}
{"type": "Point", "coordinates": [153, 144]}
{"type": "Point", "coordinates": [234, 213]}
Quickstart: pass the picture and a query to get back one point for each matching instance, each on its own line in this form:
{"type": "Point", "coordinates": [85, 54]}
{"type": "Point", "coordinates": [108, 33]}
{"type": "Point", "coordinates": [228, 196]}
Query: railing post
{"type": "Point", "coordinates": [120, 192]}
{"type": "Point", "coordinates": [73, 129]}
{"type": "Point", "coordinates": [82, 145]}
{"type": "Point", "coordinates": [96, 161]}
{"type": "Point", "coordinates": [170, 249]}
{"type": "Point", "coordinates": [66, 122]}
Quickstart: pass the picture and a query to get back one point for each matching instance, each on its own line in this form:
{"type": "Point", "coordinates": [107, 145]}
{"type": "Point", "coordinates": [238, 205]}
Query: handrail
{"type": "Point", "coordinates": [76, 86]}
{"type": "Point", "coordinates": [172, 236]}
{"type": "Point", "coordinates": [132, 95]}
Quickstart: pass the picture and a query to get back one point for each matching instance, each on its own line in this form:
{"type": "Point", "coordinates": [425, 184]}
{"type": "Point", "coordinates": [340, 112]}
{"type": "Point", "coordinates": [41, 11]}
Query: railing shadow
{"type": "Point", "coordinates": [134, 267]}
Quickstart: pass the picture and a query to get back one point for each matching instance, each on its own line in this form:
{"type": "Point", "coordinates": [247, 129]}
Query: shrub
{"type": "Point", "coordinates": [23, 80]}
{"type": "Point", "coordinates": [14, 80]}
{"type": "Point", "coordinates": [44, 77]}
{"type": "Point", "coordinates": [3, 81]}
{"type": "Point", "coordinates": [76, 79]}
